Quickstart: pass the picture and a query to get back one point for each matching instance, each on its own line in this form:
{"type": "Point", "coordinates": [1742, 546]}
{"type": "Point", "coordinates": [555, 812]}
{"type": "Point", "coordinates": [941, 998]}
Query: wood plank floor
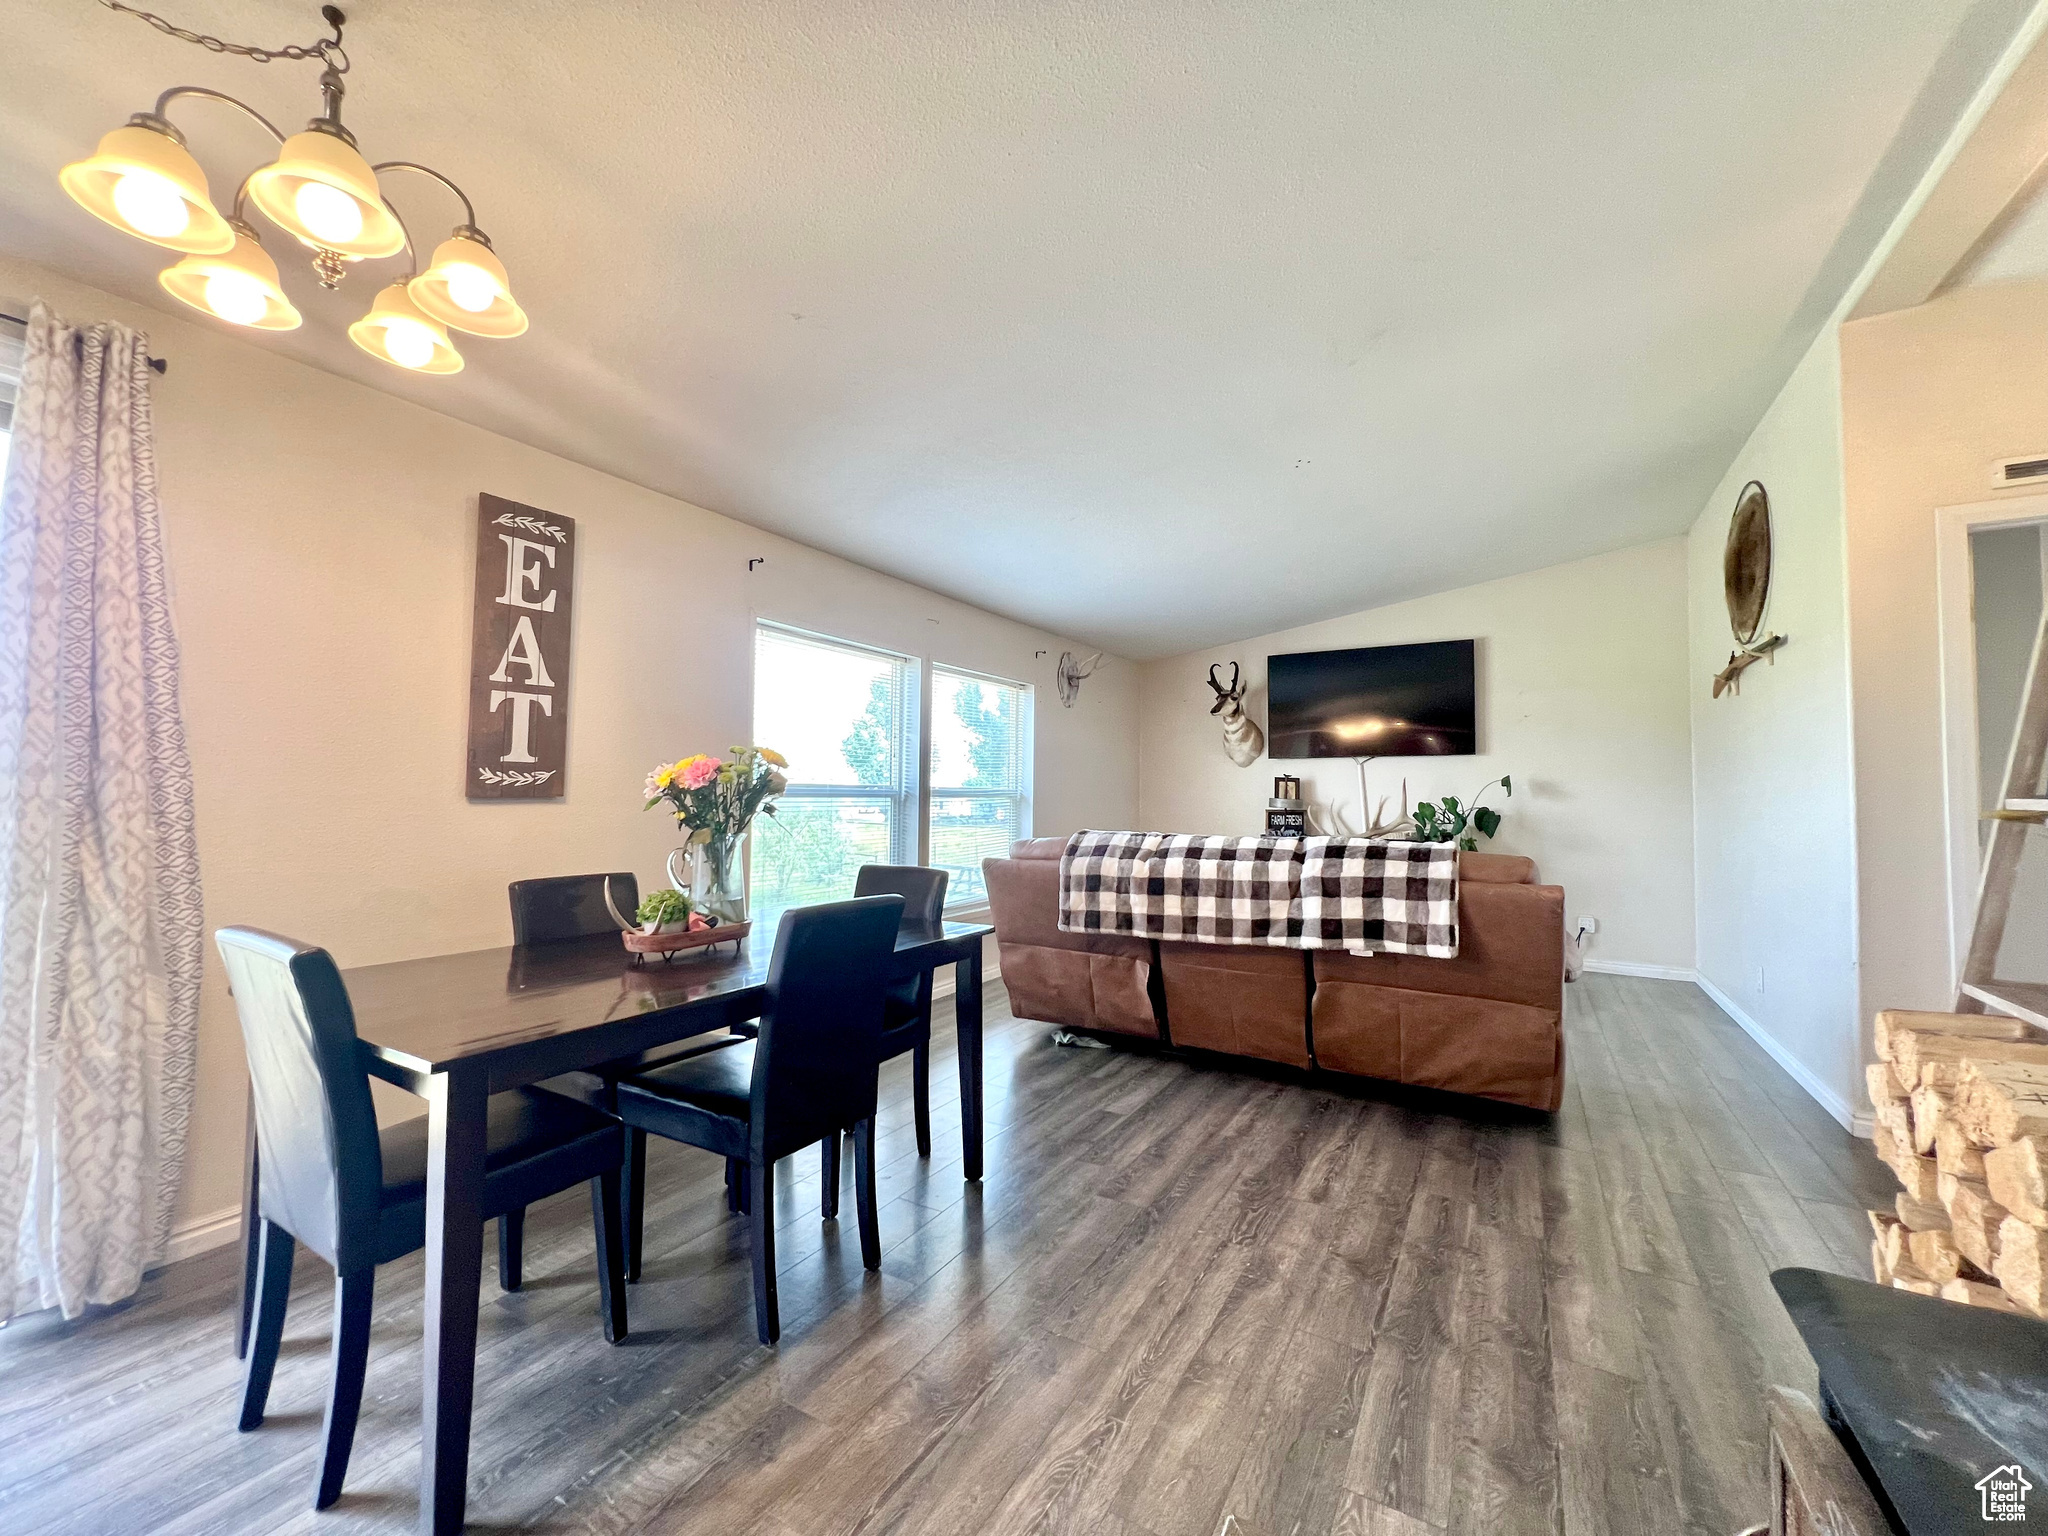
{"type": "Point", "coordinates": [1183, 1293]}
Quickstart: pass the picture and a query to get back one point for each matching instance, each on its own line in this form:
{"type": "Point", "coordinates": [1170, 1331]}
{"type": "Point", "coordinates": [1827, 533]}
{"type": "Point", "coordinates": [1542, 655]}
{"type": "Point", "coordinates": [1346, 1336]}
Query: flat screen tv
{"type": "Point", "coordinates": [1379, 701]}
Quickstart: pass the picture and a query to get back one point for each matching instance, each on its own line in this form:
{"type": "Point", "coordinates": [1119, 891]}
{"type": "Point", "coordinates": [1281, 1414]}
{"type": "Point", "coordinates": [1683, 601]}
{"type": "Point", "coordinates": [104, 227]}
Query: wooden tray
{"type": "Point", "coordinates": [640, 945]}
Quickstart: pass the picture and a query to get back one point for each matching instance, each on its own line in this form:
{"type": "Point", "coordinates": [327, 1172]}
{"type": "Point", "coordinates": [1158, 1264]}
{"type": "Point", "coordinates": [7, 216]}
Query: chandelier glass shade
{"type": "Point", "coordinates": [398, 331]}
{"type": "Point", "coordinates": [466, 287]}
{"type": "Point", "coordinates": [144, 182]}
{"type": "Point", "coordinates": [239, 286]}
{"type": "Point", "coordinates": [322, 192]}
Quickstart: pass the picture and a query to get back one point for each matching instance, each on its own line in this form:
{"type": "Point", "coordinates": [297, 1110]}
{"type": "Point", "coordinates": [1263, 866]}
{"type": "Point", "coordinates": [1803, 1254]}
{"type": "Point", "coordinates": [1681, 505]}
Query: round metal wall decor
{"type": "Point", "coordinates": [1746, 563]}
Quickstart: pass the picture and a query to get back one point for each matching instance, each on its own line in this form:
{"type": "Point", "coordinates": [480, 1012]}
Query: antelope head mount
{"type": "Point", "coordinates": [1068, 675]}
{"type": "Point", "coordinates": [1242, 738]}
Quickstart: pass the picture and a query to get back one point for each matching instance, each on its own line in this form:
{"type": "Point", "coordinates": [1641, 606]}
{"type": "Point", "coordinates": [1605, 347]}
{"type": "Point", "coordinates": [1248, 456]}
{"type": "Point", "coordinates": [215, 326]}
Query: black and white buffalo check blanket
{"type": "Point", "coordinates": [1352, 893]}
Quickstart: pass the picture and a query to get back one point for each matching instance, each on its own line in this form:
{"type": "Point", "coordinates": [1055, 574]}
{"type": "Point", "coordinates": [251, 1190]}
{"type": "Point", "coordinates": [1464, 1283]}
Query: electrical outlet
{"type": "Point", "coordinates": [1589, 925]}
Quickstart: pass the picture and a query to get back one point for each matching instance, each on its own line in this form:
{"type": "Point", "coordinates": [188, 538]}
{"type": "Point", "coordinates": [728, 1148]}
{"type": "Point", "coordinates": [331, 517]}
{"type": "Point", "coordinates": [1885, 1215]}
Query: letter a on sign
{"type": "Point", "coordinates": [519, 652]}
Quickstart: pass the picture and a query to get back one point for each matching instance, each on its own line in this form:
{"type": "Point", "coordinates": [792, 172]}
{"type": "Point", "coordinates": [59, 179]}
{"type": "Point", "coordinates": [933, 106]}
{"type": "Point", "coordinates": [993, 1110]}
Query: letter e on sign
{"type": "Point", "coordinates": [519, 652]}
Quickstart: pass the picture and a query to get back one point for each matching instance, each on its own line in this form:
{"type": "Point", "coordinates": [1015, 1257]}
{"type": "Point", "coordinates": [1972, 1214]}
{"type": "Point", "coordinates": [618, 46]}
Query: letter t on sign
{"type": "Point", "coordinates": [525, 580]}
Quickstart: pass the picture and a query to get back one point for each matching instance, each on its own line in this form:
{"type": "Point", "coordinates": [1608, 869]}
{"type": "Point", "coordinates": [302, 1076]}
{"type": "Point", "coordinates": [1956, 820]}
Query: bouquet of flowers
{"type": "Point", "coordinates": [718, 800]}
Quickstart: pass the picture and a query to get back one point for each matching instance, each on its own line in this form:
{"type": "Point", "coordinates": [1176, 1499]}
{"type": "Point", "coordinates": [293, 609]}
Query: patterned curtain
{"type": "Point", "coordinates": [99, 870]}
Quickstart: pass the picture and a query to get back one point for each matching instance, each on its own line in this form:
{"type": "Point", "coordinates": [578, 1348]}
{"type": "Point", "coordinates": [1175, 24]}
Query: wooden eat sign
{"type": "Point", "coordinates": [519, 652]}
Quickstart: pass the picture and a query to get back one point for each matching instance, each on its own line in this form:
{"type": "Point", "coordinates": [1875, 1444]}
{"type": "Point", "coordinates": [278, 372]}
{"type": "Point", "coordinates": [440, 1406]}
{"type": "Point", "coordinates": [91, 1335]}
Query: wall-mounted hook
{"type": "Point", "coordinates": [757, 560]}
{"type": "Point", "coordinates": [1036, 654]}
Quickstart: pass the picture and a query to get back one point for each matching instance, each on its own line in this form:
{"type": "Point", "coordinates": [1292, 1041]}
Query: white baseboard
{"type": "Point", "coordinates": [1818, 1091]}
{"type": "Point", "coordinates": [1855, 1122]}
{"type": "Point", "coordinates": [1636, 968]}
{"type": "Point", "coordinates": [203, 1233]}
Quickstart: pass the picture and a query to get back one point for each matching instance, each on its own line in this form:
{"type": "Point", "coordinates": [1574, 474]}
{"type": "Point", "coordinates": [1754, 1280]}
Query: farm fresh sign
{"type": "Point", "coordinates": [519, 652]}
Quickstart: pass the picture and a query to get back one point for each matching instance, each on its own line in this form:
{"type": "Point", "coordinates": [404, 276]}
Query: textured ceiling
{"type": "Point", "coordinates": [1158, 325]}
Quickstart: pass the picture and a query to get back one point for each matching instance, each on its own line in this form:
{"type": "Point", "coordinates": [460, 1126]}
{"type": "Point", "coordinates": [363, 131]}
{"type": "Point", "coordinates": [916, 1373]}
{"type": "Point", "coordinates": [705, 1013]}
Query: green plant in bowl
{"type": "Point", "coordinates": [664, 908]}
{"type": "Point", "coordinates": [1451, 820]}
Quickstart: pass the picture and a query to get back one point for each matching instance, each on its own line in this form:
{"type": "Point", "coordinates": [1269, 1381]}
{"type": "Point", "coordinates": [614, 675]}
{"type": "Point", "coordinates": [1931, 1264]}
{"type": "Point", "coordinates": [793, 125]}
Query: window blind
{"type": "Point", "coordinates": [846, 718]}
{"type": "Point", "coordinates": [12, 347]}
{"type": "Point", "coordinates": [979, 775]}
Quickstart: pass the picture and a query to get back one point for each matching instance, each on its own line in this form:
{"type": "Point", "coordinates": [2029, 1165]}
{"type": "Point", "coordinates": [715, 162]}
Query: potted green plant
{"type": "Point", "coordinates": [1451, 820]}
{"type": "Point", "coordinates": [664, 911]}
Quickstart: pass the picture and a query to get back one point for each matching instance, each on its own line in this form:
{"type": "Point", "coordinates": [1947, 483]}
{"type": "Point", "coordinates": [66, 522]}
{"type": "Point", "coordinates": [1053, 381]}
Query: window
{"type": "Point", "coordinates": [11, 348]}
{"type": "Point", "coordinates": [979, 775]}
{"type": "Point", "coordinates": [846, 718]}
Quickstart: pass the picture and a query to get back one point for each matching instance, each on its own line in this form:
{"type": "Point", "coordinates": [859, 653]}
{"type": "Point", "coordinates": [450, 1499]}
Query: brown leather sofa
{"type": "Point", "coordinates": [1488, 1023]}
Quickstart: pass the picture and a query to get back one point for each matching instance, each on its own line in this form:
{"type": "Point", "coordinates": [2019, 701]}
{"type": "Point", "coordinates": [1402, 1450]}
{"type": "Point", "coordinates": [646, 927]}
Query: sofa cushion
{"type": "Point", "coordinates": [1497, 868]}
{"type": "Point", "coordinates": [1510, 947]}
{"type": "Point", "coordinates": [1507, 1051]}
{"type": "Point", "coordinates": [1083, 980]}
{"type": "Point", "coordinates": [1024, 897]}
{"type": "Point", "coordinates": [1239, 999]}
{"type": "Point", "coordinates": [1078, 989]}
{"type": "Point", "coordinates": [1038, 848]}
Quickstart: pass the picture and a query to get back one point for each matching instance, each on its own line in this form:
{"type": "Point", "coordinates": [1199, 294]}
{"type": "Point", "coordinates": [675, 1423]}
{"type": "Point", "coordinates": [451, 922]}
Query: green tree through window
{"type": "Point", "coordinates": [989, 733]}
{"type": "Point", "coordinates": [866, 747]}
{"type": "Point", "coordinates": [977, 774]}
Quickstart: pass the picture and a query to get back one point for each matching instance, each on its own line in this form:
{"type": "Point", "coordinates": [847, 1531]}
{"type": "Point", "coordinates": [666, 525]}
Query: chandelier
{"type": "Point", "coordinates": [322, 192]}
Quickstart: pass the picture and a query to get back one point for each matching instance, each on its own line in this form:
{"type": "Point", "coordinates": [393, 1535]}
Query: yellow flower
{"type": "Point", "coordinates": [775, 757]}
{"type": "Point", "coordinates": [664, 776]}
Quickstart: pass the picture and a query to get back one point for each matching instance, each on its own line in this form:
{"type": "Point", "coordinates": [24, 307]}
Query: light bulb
{"type": "Point", "coordinates": [471, 287]}
{"type": "Point", "coordinates": [408, 343]}
{"type": "Point", "coordinates": [328, 213]}
{"type": "Point", "coordinates": [151, 205]}
{"type": "Point", "coordinates": [236, 296]}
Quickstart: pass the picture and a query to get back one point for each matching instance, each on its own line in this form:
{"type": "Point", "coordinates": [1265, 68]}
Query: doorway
{"type": "Point", "coordinates": [1994, 560]}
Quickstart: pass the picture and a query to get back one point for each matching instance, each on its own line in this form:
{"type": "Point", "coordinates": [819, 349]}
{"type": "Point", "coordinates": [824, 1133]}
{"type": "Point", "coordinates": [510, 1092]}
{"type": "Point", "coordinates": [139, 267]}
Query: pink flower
{"type": "Point", "coordinates": [700, 771]}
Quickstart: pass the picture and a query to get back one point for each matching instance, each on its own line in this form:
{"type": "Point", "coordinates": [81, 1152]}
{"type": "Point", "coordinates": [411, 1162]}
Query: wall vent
{"type": "Point", "coordinates": [2020, 471]}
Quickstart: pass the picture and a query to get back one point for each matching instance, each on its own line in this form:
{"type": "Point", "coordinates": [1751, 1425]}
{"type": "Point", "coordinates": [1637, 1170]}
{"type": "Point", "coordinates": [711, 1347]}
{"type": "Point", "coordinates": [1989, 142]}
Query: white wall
{"type": "Point", "coordinates": [1772, 792]}
{"type": "Point", "coordinates": [1582, 675]}
{"type": "Point", "coordinates": [321, 542]}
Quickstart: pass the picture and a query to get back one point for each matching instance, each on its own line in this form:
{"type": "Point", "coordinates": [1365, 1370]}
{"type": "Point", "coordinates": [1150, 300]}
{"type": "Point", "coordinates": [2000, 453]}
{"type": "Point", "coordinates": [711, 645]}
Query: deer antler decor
{"type": "Point", "coordinates": [1067, 676]}
{"type": "Point", "coordinates": [1242, 738]}
{"type": "Point", "coordinates": [1373, 820]}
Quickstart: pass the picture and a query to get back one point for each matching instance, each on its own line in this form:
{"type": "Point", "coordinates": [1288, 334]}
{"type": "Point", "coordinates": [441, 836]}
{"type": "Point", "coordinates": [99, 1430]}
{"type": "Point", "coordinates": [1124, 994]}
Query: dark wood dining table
{"type": "Point", "coordinates": [456, 1029]}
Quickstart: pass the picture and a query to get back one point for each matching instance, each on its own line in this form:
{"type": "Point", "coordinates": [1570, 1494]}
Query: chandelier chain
{"type": "Point", "coordinates": [328, 50]}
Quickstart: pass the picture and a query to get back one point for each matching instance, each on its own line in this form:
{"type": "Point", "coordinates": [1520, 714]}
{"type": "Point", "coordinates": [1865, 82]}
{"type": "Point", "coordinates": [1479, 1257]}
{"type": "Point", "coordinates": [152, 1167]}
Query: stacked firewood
{"type": "Point", "coordinates": [1962, 1119]}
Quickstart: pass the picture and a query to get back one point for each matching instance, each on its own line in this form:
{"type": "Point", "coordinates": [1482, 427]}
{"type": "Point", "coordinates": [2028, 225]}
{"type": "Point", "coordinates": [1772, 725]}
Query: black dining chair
{"type": "Point", "coordinates": [556, 909]}
{"type": "Point", "coordinates": [562, 907]}
{"type": "Point", "coordinates": [809, 1075]}
{"type": "Point", "coordinates": [357, 1196]}
{"type": "Point", "coordinates": [906, 1002]}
